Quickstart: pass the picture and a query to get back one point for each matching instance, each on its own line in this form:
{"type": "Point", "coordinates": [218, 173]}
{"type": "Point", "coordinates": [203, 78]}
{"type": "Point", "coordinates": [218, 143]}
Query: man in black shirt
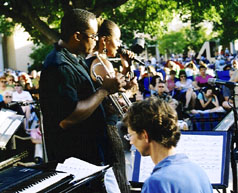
{"type": "Point", "coordinates": [73, 116]}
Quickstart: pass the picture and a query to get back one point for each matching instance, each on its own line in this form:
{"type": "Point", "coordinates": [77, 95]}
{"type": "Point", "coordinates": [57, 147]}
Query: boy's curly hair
{"type": "Point", "coordinates": [157, 117]}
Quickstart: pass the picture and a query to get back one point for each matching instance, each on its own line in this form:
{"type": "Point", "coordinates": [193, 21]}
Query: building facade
{"type": "Point", "coordinates": [15, 50]}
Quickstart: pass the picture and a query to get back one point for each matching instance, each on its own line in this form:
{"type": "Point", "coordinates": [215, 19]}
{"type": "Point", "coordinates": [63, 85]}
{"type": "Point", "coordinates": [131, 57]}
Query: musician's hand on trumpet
{"type": "Point", "coordinates": [131, 87]}
{"type": "Point", "coordinates": [114, 84]}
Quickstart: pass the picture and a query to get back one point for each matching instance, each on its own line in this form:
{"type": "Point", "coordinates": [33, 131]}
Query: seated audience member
{"type": "Point", "coordinates": [184, 91]}
{"type": "Point", "coordinates": [170, 83]}
{"type": "Point", "coordinates": [202, 79]}
{"type": "Point", "coordinates": [152, 86]}
{"type": "Point", "coordinates": [181, 123]}
{"type": "Point", "coordinates": [234, 64]}
{"type": "Point", "coordinates": [228, 103]}
{"type": "Point", "coordinates": [152, 129]}
{"type": "Point", "coordinates": [162, 90]}
{"type": "Point", "coordinates": [171, 65]}
{"type": "Point", "coordinates": [207, 102]}
{"type": "Point", "coordinates": [3, 84]}
{"type": "Point", "coordinates": [7, 98]}
{"type": "Point", "coordinates": [10, 82]}
{"type": "Point", "coordinates": [144, 83]}
{"type": "Point", "coordinates": [23, 96]}
{"type": "Point", "coordinates": [191, 70]}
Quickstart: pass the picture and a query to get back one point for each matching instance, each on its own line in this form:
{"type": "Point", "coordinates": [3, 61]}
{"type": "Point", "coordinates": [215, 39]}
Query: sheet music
{"type": "Point", "coordinates": [79, 168]}
{"type": "Point", "coordinates": [205, 150]}
{"type": "Point", "coordinates": [11, 130]}
{"type": "Point", "coordinates": [4, 120]}
{"type": "Point", "coordinates": [5, 125]}
{"type": "Point", "coordinates": [9, 122]}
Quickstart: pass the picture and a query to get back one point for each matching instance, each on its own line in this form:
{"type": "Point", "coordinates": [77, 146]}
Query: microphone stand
{"type": "Point", "coordinates": [45, 157]}
{"type": "Point", "coordinates": [234, 140]}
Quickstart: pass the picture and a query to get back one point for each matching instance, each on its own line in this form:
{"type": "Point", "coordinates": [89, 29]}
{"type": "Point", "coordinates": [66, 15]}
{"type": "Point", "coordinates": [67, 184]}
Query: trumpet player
{"type": "Point", "coordinates": [107, 46]}
{"type": "Point", "coordinates": [73, 116]}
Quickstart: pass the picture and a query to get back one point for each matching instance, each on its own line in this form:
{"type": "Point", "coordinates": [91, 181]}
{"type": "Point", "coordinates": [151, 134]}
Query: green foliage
{"type": "Point", "coordinates": [172, 43]}
{"type": "Point", "coordinates": [142, 16]}
{"type": "Point", "coordinates": [222, 13]}
{"type": "Point", "coordinates": [186, 39]}
{"type": "Point", "coordinates": [6, 25]}
{"type": "Point", "coordinates": [38, 56]}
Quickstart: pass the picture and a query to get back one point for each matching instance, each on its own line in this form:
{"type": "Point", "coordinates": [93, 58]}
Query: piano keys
{"type": "Point", "coordinates": [29, 180]}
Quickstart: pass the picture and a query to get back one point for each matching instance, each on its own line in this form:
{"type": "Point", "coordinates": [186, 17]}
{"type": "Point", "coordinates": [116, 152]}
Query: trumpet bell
{"type": "Point", "coordinates": [98, 69]}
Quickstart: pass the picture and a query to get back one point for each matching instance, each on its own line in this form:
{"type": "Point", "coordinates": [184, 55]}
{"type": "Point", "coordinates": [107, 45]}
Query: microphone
{"type": "Point", "coordinates": [122, 51]}
{"type": "Point", "coordinates": [21, 103]}
{"type": "Point", "coordinates": [214, 81]}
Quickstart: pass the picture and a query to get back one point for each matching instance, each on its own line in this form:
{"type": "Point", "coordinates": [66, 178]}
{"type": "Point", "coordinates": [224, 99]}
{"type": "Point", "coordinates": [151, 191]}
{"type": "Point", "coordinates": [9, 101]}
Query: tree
{"type": "Point", "coordinates": [184, 40]}
{"type": "Point", "coordinates": [38, 56]}
{"type": "Point", "coordinates": [139, 17]}
{"type": "Point", "coordinates": [222, 13]}
{"type": "Point", "coordinates": [6, 26]}
{"type": "Point", "coordinates": [41, 18]}
{"type": "Point", "coordinates": [172, 43]}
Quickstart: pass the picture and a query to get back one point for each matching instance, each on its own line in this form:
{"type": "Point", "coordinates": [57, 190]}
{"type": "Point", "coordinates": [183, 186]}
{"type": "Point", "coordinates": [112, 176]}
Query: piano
{"type": "Point", "coordinates": [29, 180]}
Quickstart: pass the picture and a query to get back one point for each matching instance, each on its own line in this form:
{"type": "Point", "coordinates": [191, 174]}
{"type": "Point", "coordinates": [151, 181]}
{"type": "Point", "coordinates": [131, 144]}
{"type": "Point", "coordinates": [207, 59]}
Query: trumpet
{"type": "Point", "coordinates": [99, 78]}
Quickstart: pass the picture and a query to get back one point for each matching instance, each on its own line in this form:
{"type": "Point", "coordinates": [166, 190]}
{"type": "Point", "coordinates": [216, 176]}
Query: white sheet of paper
{"type": "Point", "coordinates": [79, 168]}
{"type": "Point", "coordinates": [11, 130]}
{"type": "Point", "coordinates": [205, 150]}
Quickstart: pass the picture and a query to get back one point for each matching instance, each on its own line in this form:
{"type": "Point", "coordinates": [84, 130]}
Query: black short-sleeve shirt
{"type": "Point", "coordinates": [65, 81]}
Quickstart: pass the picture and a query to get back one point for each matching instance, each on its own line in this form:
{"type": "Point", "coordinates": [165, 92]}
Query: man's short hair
{"type": "Point", "coordinates": [19, 83]}
{"type": "Point", "coordinates": [73, 21]}
{"type": "Point", "coordinates": [172, 72]}
{"type": "Point", "coordinates": [157, 117]}
{"type": "Point", "coordinates": [202, 66]}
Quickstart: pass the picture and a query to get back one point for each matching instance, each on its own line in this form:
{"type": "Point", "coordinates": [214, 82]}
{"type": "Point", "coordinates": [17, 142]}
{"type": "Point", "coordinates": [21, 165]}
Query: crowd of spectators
{"type": "Point", "coordinates": [19, 93]}
{"type": "Point", "coordinates": [186, 81]}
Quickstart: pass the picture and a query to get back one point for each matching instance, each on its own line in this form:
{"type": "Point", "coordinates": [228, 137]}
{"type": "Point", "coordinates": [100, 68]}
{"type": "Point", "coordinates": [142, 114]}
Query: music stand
{"type": "Point", "coordinates": [234, 141]}
{"type": "Point", "coordinates": [9, 123]}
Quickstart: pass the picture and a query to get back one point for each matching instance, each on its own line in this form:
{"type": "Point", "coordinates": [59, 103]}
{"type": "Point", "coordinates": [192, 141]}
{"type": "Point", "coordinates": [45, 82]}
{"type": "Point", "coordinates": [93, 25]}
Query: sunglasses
{"type": "Point", "coordinates": [8, 96]}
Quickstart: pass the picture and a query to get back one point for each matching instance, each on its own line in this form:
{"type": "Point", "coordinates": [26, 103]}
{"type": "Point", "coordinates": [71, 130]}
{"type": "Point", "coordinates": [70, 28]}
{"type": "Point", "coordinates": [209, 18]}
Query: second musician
{"type": "Point", "coordinates": [109, 41]}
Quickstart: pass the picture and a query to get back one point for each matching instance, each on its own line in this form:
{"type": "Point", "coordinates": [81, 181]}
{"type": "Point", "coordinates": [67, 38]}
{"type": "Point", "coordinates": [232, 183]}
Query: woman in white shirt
{"type": "Point", "coordinates": [185, 91]}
